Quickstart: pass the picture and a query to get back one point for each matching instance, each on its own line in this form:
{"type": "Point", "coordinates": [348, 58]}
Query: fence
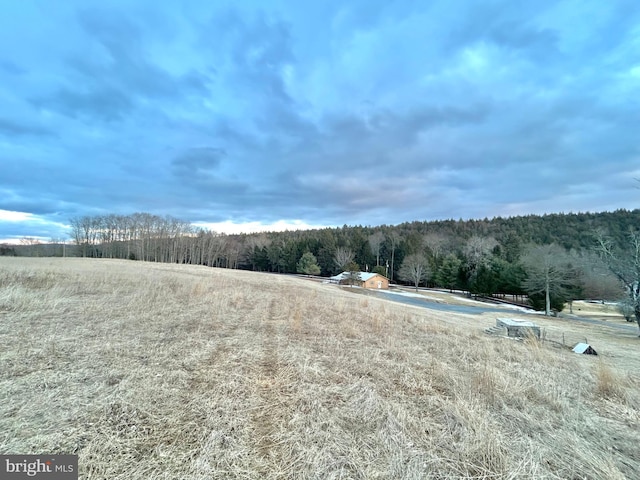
{"type": "Point", "coordinates": [562, 339]}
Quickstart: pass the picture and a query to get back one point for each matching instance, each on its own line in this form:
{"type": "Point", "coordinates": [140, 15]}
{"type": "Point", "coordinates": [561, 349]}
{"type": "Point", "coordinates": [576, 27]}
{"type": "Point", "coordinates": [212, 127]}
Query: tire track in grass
{"type": "Point", "coordinates": [268, 411]}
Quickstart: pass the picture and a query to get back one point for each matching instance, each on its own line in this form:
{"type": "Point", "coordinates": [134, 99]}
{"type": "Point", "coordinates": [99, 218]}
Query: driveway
{"type": "Point", "coordinates": [442, 307]}
{"type": "Point", "coordinates": [418, 301]}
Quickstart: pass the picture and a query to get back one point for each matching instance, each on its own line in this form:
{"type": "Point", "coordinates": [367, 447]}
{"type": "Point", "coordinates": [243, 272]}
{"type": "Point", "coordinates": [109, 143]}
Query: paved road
{"type": "Point", "coordinates": [442, 307]}
{"type": "Point", "coordinates": [479, 309]}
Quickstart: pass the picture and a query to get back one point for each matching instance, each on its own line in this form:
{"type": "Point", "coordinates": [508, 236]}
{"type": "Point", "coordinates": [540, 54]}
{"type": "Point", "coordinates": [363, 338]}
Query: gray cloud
{"type": "Point", "coordinates": [111, 84]}
{"type": "Point", "coordinates": [366, 112]}
{"type": "Point", "coordinates": [508, 25]}
{"type": "Point", "coordinates": [104, 103]}
{"type": "Point", "coordinates": [197, 160]}
{"type": "Point", "coordinates": [11, 68]}
{"type": "Point", "coordinates": [12, 127]}
{"type": "Point", "coordinates": [257, 49]}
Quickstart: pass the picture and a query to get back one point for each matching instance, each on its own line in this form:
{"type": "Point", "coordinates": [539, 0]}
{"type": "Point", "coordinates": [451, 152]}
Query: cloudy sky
{"type": "Point", "coordinates": [247, 115]}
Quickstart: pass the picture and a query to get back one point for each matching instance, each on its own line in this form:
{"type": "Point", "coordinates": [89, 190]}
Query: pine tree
{"type": "Point", "coordinates": [449, 272]}
{"type": "Point", "coordinates": [308, 264]}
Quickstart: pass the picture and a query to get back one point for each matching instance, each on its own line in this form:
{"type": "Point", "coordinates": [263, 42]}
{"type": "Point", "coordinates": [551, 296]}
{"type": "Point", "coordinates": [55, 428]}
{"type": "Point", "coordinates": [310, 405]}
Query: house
{"type": "Point", "coordinates": [367, 280]}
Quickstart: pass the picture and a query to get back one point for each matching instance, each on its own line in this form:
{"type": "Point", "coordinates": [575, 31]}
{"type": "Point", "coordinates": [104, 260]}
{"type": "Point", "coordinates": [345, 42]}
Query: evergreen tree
{"type": "Point", "coordinates": [449, 273]}
{"type": "Point", "coordinates": [308, 264]}
{"type": "Point", "coordinates": [379, 270]}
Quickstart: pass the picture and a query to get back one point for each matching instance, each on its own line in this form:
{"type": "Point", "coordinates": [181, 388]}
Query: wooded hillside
{"type": "Point", "coordinates": [481, 256]}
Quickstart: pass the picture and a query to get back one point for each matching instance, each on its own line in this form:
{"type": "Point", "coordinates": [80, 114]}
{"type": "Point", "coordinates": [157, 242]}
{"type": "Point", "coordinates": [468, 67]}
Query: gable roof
{"type": "Point", "coordinates": [364, 276]}
{"type": "Point", "coordinates": [584, 348]}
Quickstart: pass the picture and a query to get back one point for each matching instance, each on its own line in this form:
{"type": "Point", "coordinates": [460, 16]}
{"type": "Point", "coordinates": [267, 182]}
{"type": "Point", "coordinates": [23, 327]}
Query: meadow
{"type": "Point", "coordinates": [160, 371]}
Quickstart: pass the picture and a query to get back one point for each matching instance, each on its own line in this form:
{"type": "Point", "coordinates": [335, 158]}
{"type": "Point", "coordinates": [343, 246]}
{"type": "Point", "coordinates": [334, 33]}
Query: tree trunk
{"type": "Point", "coordinates": [393, 254]}
{"type": "Point", "coordinates": [547, 300]}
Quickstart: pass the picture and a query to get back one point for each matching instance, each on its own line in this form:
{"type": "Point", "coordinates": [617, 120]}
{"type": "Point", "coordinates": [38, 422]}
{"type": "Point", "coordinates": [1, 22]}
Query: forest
{"type": "Point", "coordinates": [553, 258]}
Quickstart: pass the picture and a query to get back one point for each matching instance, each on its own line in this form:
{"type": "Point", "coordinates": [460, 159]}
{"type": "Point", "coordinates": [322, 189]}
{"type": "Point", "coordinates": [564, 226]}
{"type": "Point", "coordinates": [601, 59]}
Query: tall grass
{"type": "Point", "coordinates": [157, 371]}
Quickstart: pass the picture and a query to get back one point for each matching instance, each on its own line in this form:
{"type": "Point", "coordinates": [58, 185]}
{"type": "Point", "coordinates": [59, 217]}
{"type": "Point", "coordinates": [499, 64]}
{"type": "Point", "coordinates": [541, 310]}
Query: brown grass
{"type": "Point", "coordinates": [151, 371]}
{"type": "Point", "coordinates": [609, 384]}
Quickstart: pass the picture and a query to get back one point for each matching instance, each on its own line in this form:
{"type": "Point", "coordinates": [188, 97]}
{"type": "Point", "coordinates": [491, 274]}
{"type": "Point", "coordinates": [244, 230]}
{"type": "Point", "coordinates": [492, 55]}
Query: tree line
{"type": "Point", "coordinates": [153, 238]}
{"type": "Point", "coordinates": [552, 259]}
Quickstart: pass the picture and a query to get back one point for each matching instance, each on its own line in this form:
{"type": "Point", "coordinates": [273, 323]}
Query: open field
{"type": "Point", "coordinates": [157, 371]}
{"type": "Point", "coordinates": [607, 311]}
{"type": "Point", "coordinates": [608, 328]}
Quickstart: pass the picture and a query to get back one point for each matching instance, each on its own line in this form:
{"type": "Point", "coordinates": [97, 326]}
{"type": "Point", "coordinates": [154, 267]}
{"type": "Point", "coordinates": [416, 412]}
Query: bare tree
{"type": "Point", "coordinates": [232, 252]}
{"type": "Point", "coordinates": [29, 241]}
{"type": "Point", "coordinates": [436, 243]}
{"type": "Point", "coordinates": [353, 273]}
{"type": "Point", "coordinates": [76, 231]}
{"type": "Point", "coordinates": [415, 269]}
{"type": "Point", "coordinates": [627, 309]}
{"type": "Point", "coordinates": [33, 245]}
{"type": "Point", "coordinates": [217, 243]}
{"type": "Point", "coordinates": [62, 243]}
{"type": "Point", "coordinates": [478, 251]}
{"type": "Point", "coordinates": [394, 239]}
{"type": "Point", "coordinates": [141, 236]}
{"type": "Point", "coordinates": [597, 281]}
{"type": "Point", "coordinates": [343, 257]}
{"type": "Point", "coordinates": [624, 262]}
{"type": "Point", "coordinates": [549, 271]}
{"type": "Point", "coordinates": [375, 242]}
{"type": "Point", "coordinates": [85, 233]}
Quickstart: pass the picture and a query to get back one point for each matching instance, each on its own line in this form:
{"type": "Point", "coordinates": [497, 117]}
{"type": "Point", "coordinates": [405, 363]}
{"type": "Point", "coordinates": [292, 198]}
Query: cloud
{"type": "Point", "coordinates": [117, 78]}
{"type": "Point", "coordinates": [12, 127]}
{"type": "Point", "coordinates": [15, 225]}
{"type": "Point", "coordinates": [255, 49]}
{"type": "Point", "coordinates": [11, 216]}
{"type": "Point", "coordinates": [195, 161]}
{"type": "Point", "coordinates": [509, 26]}
{"type": "Point", "coordinates": [11, 68]}
{"type": "Point", "coordinates": [104, 103]}
{"type": "Point", "coordinates": [329, 113]}
{"type": "Point", "coordinates": [230, 227]}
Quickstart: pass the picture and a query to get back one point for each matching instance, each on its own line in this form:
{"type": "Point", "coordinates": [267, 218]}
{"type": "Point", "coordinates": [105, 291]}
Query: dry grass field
{"type": "Point", "coordinates": [598, 311]}
{"type": "Point", "coordinates": [155, 371]}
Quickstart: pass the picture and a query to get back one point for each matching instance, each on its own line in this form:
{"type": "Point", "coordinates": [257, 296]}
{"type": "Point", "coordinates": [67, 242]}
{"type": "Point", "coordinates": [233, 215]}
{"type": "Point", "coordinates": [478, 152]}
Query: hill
{"type": "Point", "coordinates": [151, 370]}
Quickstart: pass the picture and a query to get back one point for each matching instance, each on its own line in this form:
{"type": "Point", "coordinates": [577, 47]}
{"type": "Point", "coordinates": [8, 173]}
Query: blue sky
{"type": "Point", "coordinates": [250, 115]}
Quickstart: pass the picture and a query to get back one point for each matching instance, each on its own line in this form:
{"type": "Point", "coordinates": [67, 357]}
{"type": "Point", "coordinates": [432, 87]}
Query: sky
{"type": "Point", "coordinates": [246, 116]}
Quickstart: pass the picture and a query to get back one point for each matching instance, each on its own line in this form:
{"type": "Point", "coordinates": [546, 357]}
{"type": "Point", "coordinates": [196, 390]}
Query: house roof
{"type": "Point", "coordinates": [364, 276]}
